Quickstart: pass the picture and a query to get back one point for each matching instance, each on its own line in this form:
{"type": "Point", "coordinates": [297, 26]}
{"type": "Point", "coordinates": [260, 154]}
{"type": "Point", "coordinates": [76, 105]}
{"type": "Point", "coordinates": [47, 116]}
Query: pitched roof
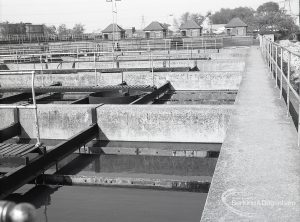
{"type": "Point", "coordinates": [113, 27]}
{"type": "Point", "coordinates": [236, 22]}
{"type": "Point", "coordinates": [190, 24]}
{"type": "Point", "coordinates": [155, 26]}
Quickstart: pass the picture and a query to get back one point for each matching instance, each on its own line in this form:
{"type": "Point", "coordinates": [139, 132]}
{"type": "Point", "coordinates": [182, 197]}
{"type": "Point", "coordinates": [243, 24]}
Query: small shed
{"type": "Point", "coordinates": [113, 29]}
{"type": "Point", "coordinates": [155, 30]}
{"type": "Point", "coordinates": [236, 27]}
{"type": "Point", "coordinates": [190, 29]}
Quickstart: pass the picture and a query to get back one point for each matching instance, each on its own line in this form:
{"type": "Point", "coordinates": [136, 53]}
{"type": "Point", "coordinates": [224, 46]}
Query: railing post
{"type": "Point", "coordinates": [281, 71]}
{"type": "Point", "coordinates": [270, 53]}
{"type": "Point", "coordinates": [299, 123]}
{"type": "Point", "coordinates": [96, 79]}
{"type": "Point", "coordinates": [17, 59]}
{"type": "Point", "coordinates": [272, 60]}
{"type": "Point", "coordinates": [152, 71]}
{"type": "Point", "coordinates": [288, 84]}
{"type": "Point", "coordinates": [276, 65]}
{"type": "Point", "coordinates": [42, 72]}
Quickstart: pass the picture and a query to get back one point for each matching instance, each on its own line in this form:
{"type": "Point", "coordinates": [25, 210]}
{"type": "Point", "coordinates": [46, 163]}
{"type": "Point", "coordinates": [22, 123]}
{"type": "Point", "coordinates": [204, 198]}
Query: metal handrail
{"type": "Point", "coordinates": [33, 106]}
{"type": "Point", "coordinates": [270, 54]}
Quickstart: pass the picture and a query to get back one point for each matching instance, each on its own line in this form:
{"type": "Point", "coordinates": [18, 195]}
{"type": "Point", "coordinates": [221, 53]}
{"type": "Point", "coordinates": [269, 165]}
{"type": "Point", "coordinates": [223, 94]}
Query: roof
{"type": "Point", "coordinates": [236, 22]}
{"type": "Point", "coordinates": [113, 27]}
{"type": "Point", "coordinates": [190, 24]}
{"type": "Point", "coordinates": [155, 26]}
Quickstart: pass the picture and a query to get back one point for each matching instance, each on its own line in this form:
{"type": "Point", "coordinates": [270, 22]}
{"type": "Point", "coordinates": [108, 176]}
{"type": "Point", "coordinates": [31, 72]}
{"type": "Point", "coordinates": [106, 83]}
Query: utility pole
{"type": "Point", "coordinates": [114, 19]}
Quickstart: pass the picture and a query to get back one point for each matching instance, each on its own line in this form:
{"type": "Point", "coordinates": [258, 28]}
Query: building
{"type": "Point", "coordinates": [7, 29]}
{"type": "Point", "coordinates": [236, 27]}
{"type": "Point", "coordinates": [18, 29]}
{"type": "Point", "coordinates": [134, 33]}
{"type": "Point", "coordinates": [190, 29]}
{"type": "Point", "coordinates": [34, 30]}
{"type": "Point", "coordinates": [155, 30]}
{"type": "Point", "coordinates": [113, 31]}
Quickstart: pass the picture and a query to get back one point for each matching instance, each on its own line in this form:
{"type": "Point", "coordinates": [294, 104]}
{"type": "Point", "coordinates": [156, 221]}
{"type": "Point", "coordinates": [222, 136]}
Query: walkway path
{"type": "Point", "coordinates": [257, 177]}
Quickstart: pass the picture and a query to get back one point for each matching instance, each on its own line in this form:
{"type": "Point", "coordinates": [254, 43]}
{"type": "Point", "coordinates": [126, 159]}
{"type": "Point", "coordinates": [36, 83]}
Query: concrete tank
{"type": "Point", "coordinates": [123, 96]}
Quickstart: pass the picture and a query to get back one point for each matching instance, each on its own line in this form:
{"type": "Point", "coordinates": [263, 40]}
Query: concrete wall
{"type": "Point", "coordinates": [238, 41]}
{"type": "Point", "coordinates": [176, 123]}
{"type": "Point", "coordinates": [56, 121]}
{"type": "Point", "coordinates": [179, 80]}
{"type": "Point", "coordinates": [204, 65]}
{"type": "Point", "coordinates": [164, 123]}
{"type": "Point", "coordinates": [7, 117]}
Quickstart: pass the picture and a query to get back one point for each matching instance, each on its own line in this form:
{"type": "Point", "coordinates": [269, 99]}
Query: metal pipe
{"type": "Point", "coordinates": [96, 79]}
{"type": "Point", "coordinates": [276, 66]}
{"type": "Point", "coordinates": [17, 107]}
{"type": "Point", "coordinates": [299, 125]}
{"type": "Point", "coordinates": [269, 56]}
{"type": "Point", "coordinates": [281, 71]}
{"type": "Point", "coordinates": [272, 61]}
{"type": "Point", "coordinates": [288, 84]}
{"type": "Point", "coordinates": [152, 69]}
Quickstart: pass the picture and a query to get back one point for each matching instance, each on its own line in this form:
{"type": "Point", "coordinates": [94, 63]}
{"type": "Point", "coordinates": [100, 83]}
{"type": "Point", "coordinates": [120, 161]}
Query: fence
{"type": "Point", "coordinates": [33, 106]}
{"type": "Point", "coordinates": [122, 45]}
{"type": "Point", "coordinates": [278, 60]}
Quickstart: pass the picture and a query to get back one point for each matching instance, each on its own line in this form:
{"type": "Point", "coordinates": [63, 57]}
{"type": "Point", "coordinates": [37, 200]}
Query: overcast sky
{"type": "Point", "coordinates": [96, 14]}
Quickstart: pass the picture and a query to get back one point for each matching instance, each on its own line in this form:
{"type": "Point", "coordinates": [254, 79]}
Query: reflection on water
{"type": "Point", "coordinates": [74, 204]}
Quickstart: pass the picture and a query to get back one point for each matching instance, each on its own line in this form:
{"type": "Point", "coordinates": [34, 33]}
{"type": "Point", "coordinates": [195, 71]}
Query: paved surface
{"type": "Point", "coordinates": [257, 177]}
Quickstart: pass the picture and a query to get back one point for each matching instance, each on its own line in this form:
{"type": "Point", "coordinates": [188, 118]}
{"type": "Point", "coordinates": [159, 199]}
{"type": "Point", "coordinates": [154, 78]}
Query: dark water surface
{"type": "Point", "coordinates": [83, 204]}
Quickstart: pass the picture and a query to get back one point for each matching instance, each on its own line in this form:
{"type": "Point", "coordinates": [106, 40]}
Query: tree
{"type": "Point", "coordinates": [269, 17]}
{"type": "Point", "coordinates": [197, 17]}
{"type": "Point", "coordinates": [63, 30]}
{"type": "Point", "coordinates": [225, 15]}
{"type": "Point", "coordinates": [78, 29]}
{"type": "Point", "coordinates": [50, 30]}
{"type": "Point", "coordinates": [268, 7]}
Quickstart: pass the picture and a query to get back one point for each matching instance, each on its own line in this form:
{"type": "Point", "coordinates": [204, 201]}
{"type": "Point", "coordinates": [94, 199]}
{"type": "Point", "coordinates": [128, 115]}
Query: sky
{"type": "Point", "coordinates": [97, 14]}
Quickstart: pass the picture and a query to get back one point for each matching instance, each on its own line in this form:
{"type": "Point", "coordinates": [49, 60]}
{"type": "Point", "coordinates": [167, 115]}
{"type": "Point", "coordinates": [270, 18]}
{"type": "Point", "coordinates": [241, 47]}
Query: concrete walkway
{"type": "Point", "coordinates": [257, 177]}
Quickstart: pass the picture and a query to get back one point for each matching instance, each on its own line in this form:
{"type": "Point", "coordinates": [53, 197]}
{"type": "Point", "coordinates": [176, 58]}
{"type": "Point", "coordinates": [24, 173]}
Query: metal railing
{"type": "Point", "coordinates": [42, 61]}
{"type": "Point", "coordinates": [279, 62]}
{"type": "Point", "coordinates": [202, 43]}
{"type": "Point", "coordinates": [33, 106]}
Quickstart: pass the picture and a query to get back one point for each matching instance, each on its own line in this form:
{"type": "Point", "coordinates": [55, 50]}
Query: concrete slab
{"type": "Point", "coordinates": [258, 172]}
{"type": "Point", "coordinates": [209, 80]}
{"type": "Point", "coordinates": [203, 65]}
{"type": "Point", "coordinates": [58, 121]}
{"type": "Point", "coordinates": [164, 123]}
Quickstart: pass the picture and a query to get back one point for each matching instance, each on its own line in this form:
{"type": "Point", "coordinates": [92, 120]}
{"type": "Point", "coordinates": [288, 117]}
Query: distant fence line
{"type": "Point", "coordinates": [121, 45]}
